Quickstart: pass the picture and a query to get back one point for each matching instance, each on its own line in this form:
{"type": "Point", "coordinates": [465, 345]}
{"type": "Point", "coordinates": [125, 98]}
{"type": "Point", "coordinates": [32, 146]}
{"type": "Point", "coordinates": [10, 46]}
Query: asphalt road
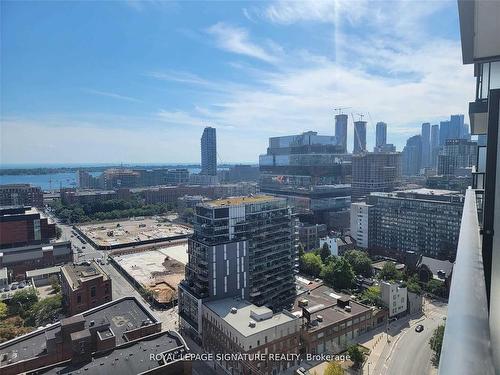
{"type": "Point", "coordinates": [120, 285]}
{"type": "Point", "coordinates": [411, 354]}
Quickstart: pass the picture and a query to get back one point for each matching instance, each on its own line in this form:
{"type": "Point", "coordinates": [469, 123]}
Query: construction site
{"type": "Point", "coordinates": [132, 232]}
{"type": "Point", "coordinates": [158, 271]}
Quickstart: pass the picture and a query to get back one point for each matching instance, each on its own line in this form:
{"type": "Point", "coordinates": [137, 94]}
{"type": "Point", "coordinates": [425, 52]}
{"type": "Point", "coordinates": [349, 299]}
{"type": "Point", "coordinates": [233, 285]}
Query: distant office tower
{"type": "Point", "coordinates": [341, 130]}
{"type": "Point", "coordinates": [379, 171]}
{"type": "Point", "coordinates": [422, 220]}
{"type": "Point", "coordinates": [359, 137]}
{"type": "Point", "coordinates": [457, 157]}
{"type": "Point", "coordinates": [310, 170]}
{"type": "Point", "coordinates": [242, 247]}
{"type": "Point", "coordinates": [458, 126]}
{"type": "Point", "coordinates": [412, 156]}
{"type": "Point", "coordinates": [209, 152]}
{"type": "Point", "coordinates": [453, 129]}
{"type": "Point", "coordinates": [381, 134]}
{"type": "Point", "coordinates": [434, 145]}
{"type": "Point", "coordinates": [426, 144]}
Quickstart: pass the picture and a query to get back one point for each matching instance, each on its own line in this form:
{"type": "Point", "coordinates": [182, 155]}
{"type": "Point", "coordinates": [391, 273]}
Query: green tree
{"type": "Point", "coordinates": [54, 283]}
{"type": "Point", "coordinates": [324, 252]}
{"type": "Point", "coordinates": [301, 250]}
{"type": "Point", "coordinates": [12, 327]}
{"type": "Point", "coordinates": [413, 285]}
{"type": "Point", "coordinates": [360, 262]}
{"type": "Point", "coordinates": [357, 356]}
{"type": "Point", "coordinates": [58, 232]}
{"type": "Point", "coordinates": [436, 342]}
{"type": "Point", "coordinates": [311, 264]}
{"type": "Point", "coordinates": [334, 368]}
{"type": "Point", "coordinates": [45, 311]}
{"type": "Point", "coordinates": [389, 272]}
{"type": "Point", "coordinates": [3, 310]}
{"type": "Point", "coordinates": [22, 301]}
{"type": "Point", "coordinates": [436, 287]}
{"type": "Point", "coordinates": [372, 295]}
{"type": "Point", "coordinates": [338, 274]}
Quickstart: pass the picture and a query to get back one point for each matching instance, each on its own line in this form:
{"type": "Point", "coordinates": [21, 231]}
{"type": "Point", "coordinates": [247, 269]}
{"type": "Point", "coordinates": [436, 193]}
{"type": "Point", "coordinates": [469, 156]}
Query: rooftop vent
{"type": "Point", "coordinates": [251, 324]}
{"type": "Point", "coordinates": [319, 318]}
{"type": "Point", "coordinates": [234, 310]}
{"type": "Point", "coordinates": [91, 324]}
{"type": "Point", "coordinates": [303, 302]}
{"type": "Point", "coordinates": [347, 308]}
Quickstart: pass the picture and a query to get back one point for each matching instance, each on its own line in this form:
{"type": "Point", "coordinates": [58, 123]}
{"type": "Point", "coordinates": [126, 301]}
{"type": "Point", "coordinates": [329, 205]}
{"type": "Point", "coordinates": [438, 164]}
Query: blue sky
{"type": "Point", "coordinates": [136, 81]}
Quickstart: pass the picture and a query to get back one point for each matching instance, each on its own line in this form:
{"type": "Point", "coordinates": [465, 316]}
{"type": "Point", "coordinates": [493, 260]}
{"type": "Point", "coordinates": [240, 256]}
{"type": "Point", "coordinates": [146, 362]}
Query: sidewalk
{"type": "Point", "coordinates": [381, 343]}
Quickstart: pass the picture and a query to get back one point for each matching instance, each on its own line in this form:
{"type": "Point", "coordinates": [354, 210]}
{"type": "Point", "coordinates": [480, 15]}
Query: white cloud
{"type": "Point", "coordinates": [112, 95]}
{"type": "Point", "coordinates": [236, 40]}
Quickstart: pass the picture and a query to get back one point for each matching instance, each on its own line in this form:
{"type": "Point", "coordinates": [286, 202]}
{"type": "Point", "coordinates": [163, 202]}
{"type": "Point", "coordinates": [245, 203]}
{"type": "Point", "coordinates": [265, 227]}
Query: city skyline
{"type": "Point", "coordinates": [246, 69]}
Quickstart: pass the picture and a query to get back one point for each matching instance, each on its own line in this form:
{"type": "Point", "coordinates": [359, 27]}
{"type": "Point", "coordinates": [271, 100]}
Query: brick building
{"type": "Point", "coordinates": [23, 225]}
{"type": "Point", "coordinates": [25, 258]}
{"type": "Point", "coordinates": [21, 194]}
{"type": "Point", "coordinates": [84, 286]}
{"type": "Point", "coordinates": [115, 338]}
{"type": "Point", "coordinates": [332, 321]}
{"type": "Point", "coordinates": [236, 326]}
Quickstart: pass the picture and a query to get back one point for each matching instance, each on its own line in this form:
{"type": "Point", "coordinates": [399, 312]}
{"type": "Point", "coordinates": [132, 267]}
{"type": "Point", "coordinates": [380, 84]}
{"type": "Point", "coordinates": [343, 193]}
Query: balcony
{"type": "Point", "coordinates": [466, 345]}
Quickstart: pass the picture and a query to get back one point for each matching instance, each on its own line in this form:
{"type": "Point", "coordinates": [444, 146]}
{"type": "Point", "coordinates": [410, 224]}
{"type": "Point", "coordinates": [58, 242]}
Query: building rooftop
{"type": "Point", "coordinates": [123, 315]}
{"type": "Point", "coordinates": [237, 201]}
{"type": "Point", "coordinates": [379, 265]}
{"type": "Point", "coordinates": [245, 312]}
{"type": "Point", "coordinates": [436, 265]}
{"type": "Point", "coordinates": [129, 360]}
{"type": "Point", "coordinates": [42, 271]}
{"type": "Point", "coordinates": [324, 301]}
{"type": "Point", "coordinates": [79, 273]}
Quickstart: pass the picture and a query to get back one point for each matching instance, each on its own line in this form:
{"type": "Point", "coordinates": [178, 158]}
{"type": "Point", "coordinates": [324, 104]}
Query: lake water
{"type": "Point", "coordinates": [52, 181]}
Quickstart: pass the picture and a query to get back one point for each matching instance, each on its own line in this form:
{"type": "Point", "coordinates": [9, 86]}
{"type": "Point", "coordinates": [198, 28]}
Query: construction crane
{"type": "Point", "coordinates": [339, 110]}
{"type": "Point", "coordinates": [361, 115]}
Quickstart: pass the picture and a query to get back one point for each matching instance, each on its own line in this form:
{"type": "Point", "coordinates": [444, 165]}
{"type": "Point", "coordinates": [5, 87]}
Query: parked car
{"type": "Point", "coordinates": [419, 328]}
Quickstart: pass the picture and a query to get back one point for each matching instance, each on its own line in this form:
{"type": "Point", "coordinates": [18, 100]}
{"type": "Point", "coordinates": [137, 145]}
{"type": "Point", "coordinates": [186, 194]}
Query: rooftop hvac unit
{"type": "Point", "coordinates": [251, 324]}
{"type": "Point", "coordinates": [347, 308]}
{"type": "Point", "coordinates": [234, 310]}
{"type": "Point", "coordinates": [303, 302]}
{"type": "Point", "coordinates": [319, 318]}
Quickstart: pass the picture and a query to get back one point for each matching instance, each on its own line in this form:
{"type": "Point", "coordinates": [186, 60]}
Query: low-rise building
{"type": "Point", "coordinates": [332, 320]}
{"type": "Point", "coordinates": [84, 286]}
{"type": "Point", "coordinates": [236, 326]}
{"type": "Point", "coordinates": [395, 297]}
{"type": "Point", "coordinates": [338, 244]}
{"type": "Point", "coordinates": [25, 258]}
{"type": "Point", "coordinates": [24, 225]}
{"type": "Point", "coordinates": [115, 338]}
{"type": "Point", "coordinates": [309, 235]}
{"type": "Point", "coordinates": [21, 195]}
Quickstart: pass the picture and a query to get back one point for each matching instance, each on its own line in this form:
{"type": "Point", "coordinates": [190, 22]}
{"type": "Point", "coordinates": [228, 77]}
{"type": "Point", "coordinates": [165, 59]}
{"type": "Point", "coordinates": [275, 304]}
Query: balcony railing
{"type": "Point", "coordinates": [466, 345]}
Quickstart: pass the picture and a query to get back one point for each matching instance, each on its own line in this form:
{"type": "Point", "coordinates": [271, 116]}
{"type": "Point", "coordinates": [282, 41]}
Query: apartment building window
{"type": "Point", "coordinates": [92, 291]}
{"type": "Point", "coordinates": [79, 298]}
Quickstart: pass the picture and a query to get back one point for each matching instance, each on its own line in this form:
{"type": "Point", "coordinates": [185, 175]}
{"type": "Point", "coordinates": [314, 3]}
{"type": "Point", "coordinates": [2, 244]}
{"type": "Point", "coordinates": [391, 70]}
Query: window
{"type": "Point", "coordinates": [79, 298]}
{"type": "Point", "coordinates": [92, 291]}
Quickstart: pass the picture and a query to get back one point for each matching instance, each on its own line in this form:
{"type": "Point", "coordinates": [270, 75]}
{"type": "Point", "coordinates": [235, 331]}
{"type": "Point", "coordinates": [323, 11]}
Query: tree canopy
{"type": "Point", "coordinates": [357, 356]}
{"type": "Point", "coordinates": [389, 272]}
{"type": "Point", "coordinates": [436, 342]}
{"type": "Point", "coordinates": [338, 274]}
{"type": "Point", "coordinates": [311, 264]}
{"type": "Point", "coordinates": [360, 262]}
{"type": "Point", "coordinates": [334, 368]}
{"type": "Point", "coordinates": [324, 252]}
